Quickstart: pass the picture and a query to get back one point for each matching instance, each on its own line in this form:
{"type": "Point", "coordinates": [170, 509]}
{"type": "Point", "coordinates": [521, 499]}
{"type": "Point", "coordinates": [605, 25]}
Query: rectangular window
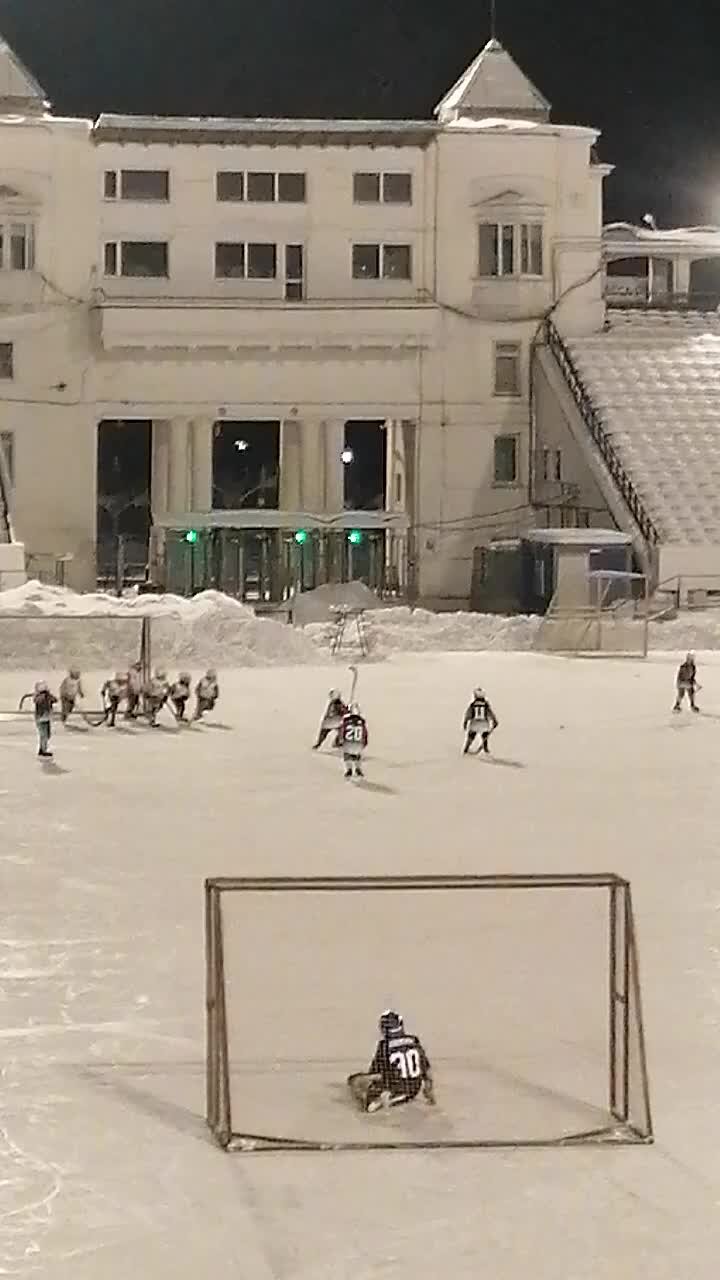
{"type": "Point", "coordinates": [531, 249]}
{"type": "Point", "coordinates": [137, 184]}
{"type": "Point", "coordinates": [507, 369]}
{"type": "Point", "coordinates": [552, 464]}
{"type": "Point", "coordinates": [17, 246]}
{"type": "Point", "coordinates": [260, 187]}
{"type": "Point", "coordinates": [261, 261]}
{"type": "Point", "coordinates": [229, 261]}
{"type": "Point", "coordinates": [397, 262]}
{"type": "Point", "coordinates": [397, 188]}
{"type": "Point", "coordinates": [509, 249]}
{"type": "Point", "coordinates": [139, 258]}
{"type": "Point", "coordinates": [506, 460]}
{"type": "Point", "coordinates": [366, 188]}
{"type": "Point", "coordinates": [7, 444]}
{"type": "Point", "coordinates": [366, 262]}
{"type": "Point", "coordinates": [291, 188]}
{"type": "Point", "coordinates": [6, 360]}
{"type": "Point", "coordinates": [229, 185]}
{"type": "Point", "coordinates": [294, 273]}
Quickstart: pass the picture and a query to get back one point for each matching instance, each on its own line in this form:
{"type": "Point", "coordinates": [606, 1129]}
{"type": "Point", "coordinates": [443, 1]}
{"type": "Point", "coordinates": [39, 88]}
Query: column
{"type": "Point", "coordinates": [160, 466]}
{"type": "Point", "coordinates": [201, 463]}
{"type": "Point", "coordinates": [334, 479]}
{"type": "Point", "coordinates": [291, 464]}
{"type": "Point", "coordinates": [179, 469]}
{"type": "Point", "coordinates": [682, 276]}
{"type": "Point", "coordinates": [312, 466]}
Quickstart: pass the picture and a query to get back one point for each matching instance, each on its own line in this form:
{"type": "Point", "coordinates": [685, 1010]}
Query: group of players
{"type": "Point", "coordinates": [345, 721]}
{"type": "Point", "coordinates": [143, 699]}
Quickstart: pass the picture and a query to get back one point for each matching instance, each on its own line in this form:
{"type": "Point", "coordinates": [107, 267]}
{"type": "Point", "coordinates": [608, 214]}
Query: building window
{"type": "Point", "coordinates": [294, 273]}
{"type": "Point", "coordinates": [261, 187]}
{"type": "Point", "coordinates": [229, 261]}
{"type": "Point", "coordinates": [507, 368]}
{"type": "Point", "coordinates": [229, 185]}
{"type": "Point", "coordinates": [510, 249]}
{"type": "Point", "coordinates": [552, 464]}
{"type": "Point", "coordinates": [137, 184]}
{"type": "Point", "coordinates": [7, 444]}
{"type": "Point", "coordinates": [261, 261]}
{"type": "Point", "coordinates": [382, 261]}
{"type": "Point", "coordinates": [139, 258]}
{"type": "Point", "coordinates": [291, 188]}
{"type": "Point", "coordinates": [506, 460]}
{"type": "Point", "coordinates": [7, 369]}
{"type": "Point", "coordinates": [17, 246]}
{"type": "Point", "coordinates": [385, 188]}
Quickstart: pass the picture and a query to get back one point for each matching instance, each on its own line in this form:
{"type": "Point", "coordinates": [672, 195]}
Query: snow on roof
{"type": "Point", "coordinates": [493, 85]}
{"type": "Point", "coordinates": [623, 234]}
{"type": "Point", "coordinates": [514, 124]}
{"type": "Point", "coordinates": [17, 84]}
{"type": "Point", "coordinates": [217, 129]}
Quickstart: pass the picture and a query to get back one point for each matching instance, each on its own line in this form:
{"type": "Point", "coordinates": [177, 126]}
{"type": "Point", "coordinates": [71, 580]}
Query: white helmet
{"type": "Point", "coordinates": [478, 693]}
{"type": "Point", "coordinates": [333, 694]}
{"type": "Point", "coordinates": [355, 709]}
{"type": "Point", "coordinates": [41, 686]}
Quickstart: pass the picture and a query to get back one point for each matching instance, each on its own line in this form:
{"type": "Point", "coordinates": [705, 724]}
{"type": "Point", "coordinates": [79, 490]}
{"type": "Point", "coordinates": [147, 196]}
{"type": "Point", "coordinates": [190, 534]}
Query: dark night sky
{"type": "Point", "coordinates": [647, 74]}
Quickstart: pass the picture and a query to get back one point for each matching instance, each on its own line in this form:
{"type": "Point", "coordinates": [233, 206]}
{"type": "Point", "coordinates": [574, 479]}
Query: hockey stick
{"type": "Point", "coordinates": [354, 683]}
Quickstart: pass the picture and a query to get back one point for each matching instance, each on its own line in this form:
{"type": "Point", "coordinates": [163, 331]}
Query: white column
{"type": "Point", "coordinates": [179, 478]}
{"type": "Point", "coordinates": [334, 479]}
{"type": "Point", "coordinates": [682, 276]}
{"type": "Point", "coordinates": [160, 466]}
{"type": "Point", "coordinates": [201, 464]}
{"type": "Point", "coordinates": [291, 464]}
{"type": "Point", "coordinates": [312, 466]}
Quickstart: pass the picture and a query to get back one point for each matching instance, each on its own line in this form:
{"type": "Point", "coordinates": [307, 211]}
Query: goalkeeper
{"type": "Point", "coordinates": [399, 1071]}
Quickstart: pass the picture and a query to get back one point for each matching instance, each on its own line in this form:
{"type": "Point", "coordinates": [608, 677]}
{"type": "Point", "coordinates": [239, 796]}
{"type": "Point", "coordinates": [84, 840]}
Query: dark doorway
{"type": "Point", "coordinates": [124, 469]}
{"type": "Point", "coordinates": [365, 465]}
{"type": "Point", "coordinates": [246, 465]}
{"type": "Point", "coordinates": [705, 283]}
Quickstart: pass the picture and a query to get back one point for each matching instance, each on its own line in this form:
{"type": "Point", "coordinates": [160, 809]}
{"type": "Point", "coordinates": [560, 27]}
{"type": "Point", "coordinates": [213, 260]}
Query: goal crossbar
{"type": "Point", "coordinates": [627, 1103]}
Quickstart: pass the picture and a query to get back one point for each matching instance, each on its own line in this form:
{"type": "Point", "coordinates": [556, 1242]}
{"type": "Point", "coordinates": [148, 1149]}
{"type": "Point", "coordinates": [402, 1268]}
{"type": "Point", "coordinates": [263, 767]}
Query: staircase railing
{"type": "Point", "coordinates": [602, 438]}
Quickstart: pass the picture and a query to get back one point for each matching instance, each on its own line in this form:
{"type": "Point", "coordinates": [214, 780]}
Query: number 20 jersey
{"type": "Point", "coordinates": [403, 1064]}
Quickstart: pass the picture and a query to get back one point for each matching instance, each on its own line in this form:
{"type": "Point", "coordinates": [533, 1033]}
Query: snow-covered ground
{"type": "Point", "coordinates": [106, 1168]}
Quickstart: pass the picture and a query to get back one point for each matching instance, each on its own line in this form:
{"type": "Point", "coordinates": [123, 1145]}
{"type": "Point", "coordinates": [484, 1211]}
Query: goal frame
{"type": "Point", "coordinates": [623, 987]}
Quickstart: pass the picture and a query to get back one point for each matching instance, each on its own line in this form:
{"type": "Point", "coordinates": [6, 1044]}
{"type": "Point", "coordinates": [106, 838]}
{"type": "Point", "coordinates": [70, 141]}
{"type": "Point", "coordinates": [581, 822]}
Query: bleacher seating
{"type": "Point", "coordinates": [654, 378]}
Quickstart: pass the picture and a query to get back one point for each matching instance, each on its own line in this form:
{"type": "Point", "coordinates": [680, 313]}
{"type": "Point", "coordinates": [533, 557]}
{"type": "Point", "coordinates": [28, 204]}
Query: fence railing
{"type": "Point", "coordinates": [601, 437]}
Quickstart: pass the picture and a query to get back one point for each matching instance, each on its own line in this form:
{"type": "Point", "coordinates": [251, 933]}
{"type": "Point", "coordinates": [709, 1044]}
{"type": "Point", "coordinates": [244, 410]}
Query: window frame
{"type": "Point", "coordinates": [230, 244]}
{"type": "Point", "coordinates": [381, 247]}
{"type": "Point", "coordinates": [525, 245]}
{"type": "Point", "coordinates": [235, 173]}
{"type": "Point", "coordinates": [513, 352]}
{"type": "Point", "coordinates": [117, 247]}
{"type": "Point", "coordinates": [117, 195]}
{"type": "Point", "coordinates": [499, 482]}
{"type": "Point", "coordinates": [7, 349]}
{"type": "Point", "coordinates": [9, 227]}
{"type": "Point", "coordinates": [381, 177]}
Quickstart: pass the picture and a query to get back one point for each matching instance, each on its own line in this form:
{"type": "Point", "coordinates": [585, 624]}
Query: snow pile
{"type": "Point", "coordinates": [691, 630]}
{"type": "Point", "coordinates": [317, 605]}
{"type": "Point", "coordinates": [58, 627]}
{"type": "Point", "coordinates": [403, 630]}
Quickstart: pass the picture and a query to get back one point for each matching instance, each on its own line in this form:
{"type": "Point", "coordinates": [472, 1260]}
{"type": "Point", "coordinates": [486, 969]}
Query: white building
{"type": "Point", "coordinates": [257, 285]}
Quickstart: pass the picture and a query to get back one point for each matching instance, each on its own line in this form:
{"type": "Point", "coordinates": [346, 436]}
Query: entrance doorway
{"type": "Point", "coordinates": [246, 465]}
{"type": "Point", "coordinates": [124, 471]}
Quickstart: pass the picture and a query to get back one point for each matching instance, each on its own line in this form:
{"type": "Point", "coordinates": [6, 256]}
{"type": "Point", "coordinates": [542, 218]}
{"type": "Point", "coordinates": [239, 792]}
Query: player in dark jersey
{"type": "Point", "coordinates": [399, 1071]}
{"type": "Point", "coordinates": [479, 719]}
{"type": "Point", "coordinates": [332, 719]}
{"type": "Point", "coordinates": [686, 683]}
{"type": "Point", "coordinates": [353, 734]}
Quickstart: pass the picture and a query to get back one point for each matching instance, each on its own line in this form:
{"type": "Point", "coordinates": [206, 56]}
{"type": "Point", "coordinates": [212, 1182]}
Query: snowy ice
{"type": "Point", "coordinates": [106, 1167]}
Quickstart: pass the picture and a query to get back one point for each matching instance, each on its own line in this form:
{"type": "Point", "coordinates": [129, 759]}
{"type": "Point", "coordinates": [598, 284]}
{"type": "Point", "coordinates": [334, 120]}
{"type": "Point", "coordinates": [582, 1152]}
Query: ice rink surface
{"type": "Point", "coordinates": [106, 1167]}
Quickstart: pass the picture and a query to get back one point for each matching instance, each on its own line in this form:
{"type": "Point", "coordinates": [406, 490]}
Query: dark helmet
{"type": "Point", "coordinates": [390, 1023]}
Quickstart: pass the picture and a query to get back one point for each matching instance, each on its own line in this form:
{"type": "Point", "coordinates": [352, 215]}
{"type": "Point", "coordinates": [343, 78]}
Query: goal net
{"type": "Point", "coordinates": [47, 645]}
{"type": "Point", "coordinates": [523, 989]}
{"type": "Point", "coordinates": [610, 618]}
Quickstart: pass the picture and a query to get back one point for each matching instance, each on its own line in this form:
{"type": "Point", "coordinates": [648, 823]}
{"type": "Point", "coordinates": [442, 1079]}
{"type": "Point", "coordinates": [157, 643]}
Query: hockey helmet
{"type": "Point", "coordinates": [120, 677]}
{"type": "Point", "coordinates": [478, 693]}
{"type": "Point", "coordinates": [333, 694]}
{"type": "Point", "coordinates": [690, 657]}
{"type": "Point", "coordinates": [390, 1023]}
{"type": "Point", "coordinates": [355, 709]}
{"type": "Point", "coordinates": [41, 686]}
{"type": "Point", "coordinates": [74, 673]}
{"type": "Point", "coordinates": [160, 673]}
{"type": "Point", "coordinates": [211, 674]}
{"type": "Point", "coordinates": [184, 677]}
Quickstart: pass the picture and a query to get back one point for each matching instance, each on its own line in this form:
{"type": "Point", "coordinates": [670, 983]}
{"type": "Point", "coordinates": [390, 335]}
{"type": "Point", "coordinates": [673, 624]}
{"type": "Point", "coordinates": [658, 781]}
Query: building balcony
{"type": "Point", "coordinates": [208, 324]}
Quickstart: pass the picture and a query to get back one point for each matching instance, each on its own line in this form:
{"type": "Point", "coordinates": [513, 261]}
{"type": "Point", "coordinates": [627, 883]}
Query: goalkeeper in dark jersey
{"type": "Point", "coordinates": [399, 1071]}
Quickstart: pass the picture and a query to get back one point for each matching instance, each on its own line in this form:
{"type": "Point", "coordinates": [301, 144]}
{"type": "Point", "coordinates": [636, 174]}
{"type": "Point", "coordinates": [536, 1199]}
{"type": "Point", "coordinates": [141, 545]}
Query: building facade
{"type": "Point", "coordinates": [312, 338]}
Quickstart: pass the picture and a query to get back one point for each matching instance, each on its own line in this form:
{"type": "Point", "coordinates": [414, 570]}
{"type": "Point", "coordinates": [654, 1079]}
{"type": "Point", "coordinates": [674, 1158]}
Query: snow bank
{"type": "Point", "coordinates": [690, 630]}
{"type": "Point", "coordinates": [317, 605]}
{"type": "Point", "coordinates": [403, 630]}
{"type": "Point", "coordinates": [58, 627]}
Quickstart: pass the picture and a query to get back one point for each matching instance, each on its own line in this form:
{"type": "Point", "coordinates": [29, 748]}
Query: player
{"type": "Point", "coordinates": [70, 690]}
{"type": "Point", "coordinates": [479, 719]}
{"type": "Point", "coordinates": [43, 703]}
{"type": "Point", "coordinates": [156, 695]}
{"type": "Point", "coordinates": [399, 1071]}
{"type": "Point", "coordinates": [332, 719]}
{"type": "Point", "coordinates": [180, 693]}
{"type": "Point", "coordinates": [686, 683]}
{"type": "Point", "coordinates": [353, 735]}
{"type": "Point", "coordinates": [207, 692]}
{"type": "Point", "coordinates": [133, 691]}
{"type": "Point", "coordinates": [112, 694]}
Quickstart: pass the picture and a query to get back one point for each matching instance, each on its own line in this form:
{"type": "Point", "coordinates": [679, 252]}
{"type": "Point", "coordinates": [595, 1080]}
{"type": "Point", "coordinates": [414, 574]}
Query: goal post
{"type": "Point", "coordinates": [545, 1046]}
{"type": "Point", "coordinates": [95, 641]}
{"type": "Point", "coordinates": [609, 618]}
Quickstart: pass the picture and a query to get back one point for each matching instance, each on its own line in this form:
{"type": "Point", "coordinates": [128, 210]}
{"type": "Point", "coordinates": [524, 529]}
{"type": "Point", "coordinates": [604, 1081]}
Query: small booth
{"type": "Point", "coordinates": [545, 567]}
